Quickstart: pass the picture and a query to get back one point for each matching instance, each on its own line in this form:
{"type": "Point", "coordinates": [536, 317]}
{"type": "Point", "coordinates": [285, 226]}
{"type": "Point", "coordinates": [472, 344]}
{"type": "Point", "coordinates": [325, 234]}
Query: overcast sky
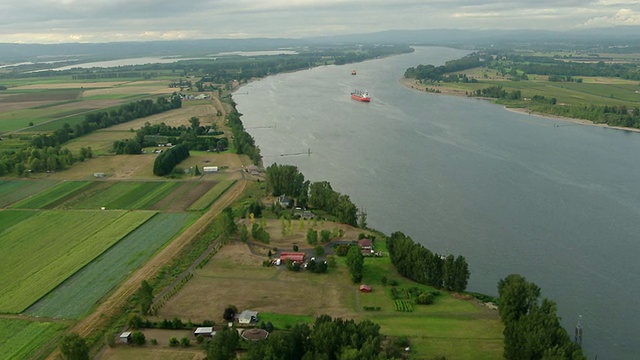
{"type": "Point", "coordinates": [57, 21]}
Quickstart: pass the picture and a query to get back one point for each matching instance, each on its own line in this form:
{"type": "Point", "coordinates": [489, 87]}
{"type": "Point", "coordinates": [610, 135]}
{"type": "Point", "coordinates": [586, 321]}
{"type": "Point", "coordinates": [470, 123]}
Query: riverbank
{"type": "Point", "coordinates": [414, 85]}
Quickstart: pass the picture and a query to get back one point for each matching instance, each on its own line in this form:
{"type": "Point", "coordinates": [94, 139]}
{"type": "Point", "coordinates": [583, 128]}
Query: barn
{"type": "Point", "coordinates": [365, 288]}
{"type": "Point", "coordinates": [293, 256]}
{"type": "Point", "coordinates": [210, 169]}
{"type": "Point", "coordinates": [206, 331]}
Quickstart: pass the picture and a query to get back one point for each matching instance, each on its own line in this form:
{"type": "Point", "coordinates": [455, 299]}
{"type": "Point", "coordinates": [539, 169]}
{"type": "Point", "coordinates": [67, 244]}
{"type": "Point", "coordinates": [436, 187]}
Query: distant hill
{"type": "Point", "coordinates": [601, 37]}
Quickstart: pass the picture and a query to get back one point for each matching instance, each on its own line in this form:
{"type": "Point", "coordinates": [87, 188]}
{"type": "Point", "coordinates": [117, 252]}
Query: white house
{"type": "Point", "coordinates": [247, 317]}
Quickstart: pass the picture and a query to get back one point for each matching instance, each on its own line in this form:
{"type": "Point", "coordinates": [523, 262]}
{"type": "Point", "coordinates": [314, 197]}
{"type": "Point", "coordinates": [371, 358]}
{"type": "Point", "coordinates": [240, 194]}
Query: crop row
{"type": "Point", "coordinates": [43, 250]}
{"type": "Point", "coordinates": [22, 339]}
{"type": "Point", "coordinates": [119, 195]}
{"type": "Point", "coordinates": [78, 294]}
{"type": "Point", "coordinates": [51, 195]}
{"type": "Point", "coordinates": [212, 195]}
{"type": "Point", "coordinates": [403, 305]}
{"type": "Point", "coordinates": [12, 191]}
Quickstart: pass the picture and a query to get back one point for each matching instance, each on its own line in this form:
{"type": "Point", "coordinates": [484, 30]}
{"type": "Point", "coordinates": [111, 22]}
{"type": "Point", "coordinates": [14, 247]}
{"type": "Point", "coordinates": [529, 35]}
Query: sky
{"type": "Point", "coordinates": [64, 21]}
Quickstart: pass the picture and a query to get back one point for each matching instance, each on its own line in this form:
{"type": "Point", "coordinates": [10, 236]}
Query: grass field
{"type": "Point", "coordinates": [450, 327]}
{"type": "Point", "coordinates": [50, 196]}
{"type": "Point", "coordinates": [43, 250]}
{"type": "Point", "coordinates": [16, 190]}
{"type": "Point", "coordinates": [78, 294]}
{"type": "Point", "coordinates": [22, 339]}
{"type": "Point", "coordinates": [593, 90]}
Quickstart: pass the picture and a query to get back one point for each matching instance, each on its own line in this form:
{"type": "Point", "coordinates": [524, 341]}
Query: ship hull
{"type": "Point", "coordinates": [360, 98]}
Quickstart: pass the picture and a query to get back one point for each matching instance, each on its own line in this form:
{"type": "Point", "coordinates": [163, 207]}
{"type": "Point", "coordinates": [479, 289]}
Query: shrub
{"type": "Point", "coordinates": [200, 339]}
{"type": "Point", "coordinates": [185, 342]}
{"type": "Point", "coordinates": [173, 342]}
{"type": "Point", "coordinates": [154, 342]}
{"type": "Point", "coordinates": [137, 337]}
{"type": "Point", "coordinates": [425, 299]}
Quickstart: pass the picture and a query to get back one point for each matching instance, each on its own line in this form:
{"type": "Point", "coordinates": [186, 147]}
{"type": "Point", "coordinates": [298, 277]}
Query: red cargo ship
{"type": "Point", "coordinates": [360, 96]}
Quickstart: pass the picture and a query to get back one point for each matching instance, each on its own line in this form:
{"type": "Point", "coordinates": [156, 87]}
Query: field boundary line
{"type": "Point", "coordinates": [111, 306]}
{"type": "Point", "coordinates": [92, 260]}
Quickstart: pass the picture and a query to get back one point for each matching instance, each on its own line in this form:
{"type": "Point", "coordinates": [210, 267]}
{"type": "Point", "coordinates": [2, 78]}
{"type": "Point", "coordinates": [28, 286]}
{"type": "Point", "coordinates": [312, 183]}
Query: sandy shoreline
{"type": "Point", "coordinates": [411, 84]}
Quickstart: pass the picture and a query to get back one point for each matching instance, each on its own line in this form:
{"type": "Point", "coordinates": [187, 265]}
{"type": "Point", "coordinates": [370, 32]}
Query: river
{"type": "Point", "coordinates": [514, 193]}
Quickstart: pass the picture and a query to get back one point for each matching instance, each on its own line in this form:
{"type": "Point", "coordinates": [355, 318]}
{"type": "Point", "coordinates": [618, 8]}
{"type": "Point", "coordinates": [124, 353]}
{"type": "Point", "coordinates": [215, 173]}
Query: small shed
{"type": "Point", "coordinates": [99, 175]}
{"type": "Point", "coordinates": [206, 331]}
{"type": "Point", "coordinates": [365, 288]}
{"type": "Point", "coordinates": [125, 337]}
{"type": "Point", "coordinates": [247, 317]}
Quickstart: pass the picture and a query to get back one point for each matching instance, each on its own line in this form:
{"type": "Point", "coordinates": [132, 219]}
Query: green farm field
{"type": "Point", "coordinates": [23, 339]}
{"type": "Point", "coordinates": [12, 191]}
{"type": "Point", "coordinates": [593, 90]}
{"type": "Point", "coordinates": [50, 196]}
{"type": "Point", "coordinates": [128, 195]}
{"type": "Point", "coordinates": [77, 295]}
{"type": "Point", "coordinates": [43, 250]}
{"type": "Point", "coordinates": [207, 199]}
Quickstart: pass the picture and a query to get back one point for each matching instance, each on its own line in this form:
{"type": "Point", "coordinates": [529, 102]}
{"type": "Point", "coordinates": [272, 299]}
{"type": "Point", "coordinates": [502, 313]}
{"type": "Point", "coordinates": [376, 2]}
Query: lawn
{"type": "Point", "coordinates": [22, 339]}
{"type": "Point", "coordinates": [78, 294]}
{"type": "Point", "coordinates": [42, 251]}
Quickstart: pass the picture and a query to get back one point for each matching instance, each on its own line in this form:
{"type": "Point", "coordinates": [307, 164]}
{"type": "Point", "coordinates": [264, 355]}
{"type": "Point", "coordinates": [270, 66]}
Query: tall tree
{"type": "Point", "coordinates": [517, 297]}
{"type": "Point", "coordinates": [145, 296]}
{"type": "Point", "coordinates": [74, 347]}
{"type": "Point", "coordinates": [224, 345]}
{"type": "Point", "coordinates": [355, 263]}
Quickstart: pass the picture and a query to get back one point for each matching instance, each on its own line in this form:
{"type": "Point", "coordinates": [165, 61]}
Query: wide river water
{"type": "Point", "coordinates": [556, 202]}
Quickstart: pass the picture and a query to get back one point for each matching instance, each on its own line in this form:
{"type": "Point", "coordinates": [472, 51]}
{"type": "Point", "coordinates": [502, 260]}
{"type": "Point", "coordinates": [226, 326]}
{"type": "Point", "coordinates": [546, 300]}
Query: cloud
{"type": "Point", "coordinates": [134, 20]}
{"type": "Point", "coordinates": [623, 17]}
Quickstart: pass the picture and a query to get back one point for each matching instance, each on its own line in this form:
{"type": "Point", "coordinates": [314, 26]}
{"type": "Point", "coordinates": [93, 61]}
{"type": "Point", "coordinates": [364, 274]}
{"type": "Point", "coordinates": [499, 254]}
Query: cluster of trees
{"type": "Point", "coordinates": [242, 141]}
{"type": "Point", "coordinates": [419, 264]}
{"type": "Point", "coordinates": [166, 161]}
{"type": "Point", "coordinates": [259, 233]}
{"type": "Point", "coordinates": [439, 73]}
{"type": "Point", "coordinates": [195, 137]}
{"type": "Point", "coordinates": [145, 297]}
{"type": "Point", "coordinates": [91, 74]}
{"type": "Point", "coordinates": [104, 119]}
{"type": "Point", "coordinates": [328, 339]}
{"type": "Point", "coordinates": [355, 263]}
{"type": "Point", "coordinates": [564, 78]}
{"type": "Point", "coordinates": [618, 115]}
{"type": "Point", "coordinates": [497, 92]}
{"type": "Point", "coordinates": [44, 152]}
{"type": "Point", "coordinates": [287, 180]}
{"type": "Point", "coordinates": [532, 328]}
